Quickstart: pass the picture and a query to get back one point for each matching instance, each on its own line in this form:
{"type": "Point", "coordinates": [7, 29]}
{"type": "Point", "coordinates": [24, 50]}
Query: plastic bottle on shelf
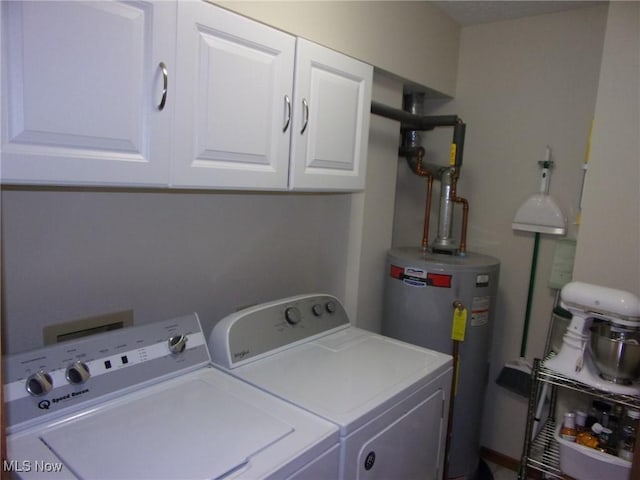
{"type": "Point", "coordinates": [581, 421]}
{"type": "Point", "coordinates": [568, 430]}
{"type": "Point", "coordinates": [628, 432]}
{"type": "Point", "coordinates": [615, 419]}
{"type": "Point", "coordinates": [603, 435]}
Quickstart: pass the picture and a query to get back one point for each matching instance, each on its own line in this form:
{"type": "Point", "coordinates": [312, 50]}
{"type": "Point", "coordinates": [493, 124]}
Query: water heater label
{"type": "Point", "coordinates": [417, 277]}
{"type": "Point", "coordinates": [480, 311]}
{"type": "Point", "coordinates": [414, 277]}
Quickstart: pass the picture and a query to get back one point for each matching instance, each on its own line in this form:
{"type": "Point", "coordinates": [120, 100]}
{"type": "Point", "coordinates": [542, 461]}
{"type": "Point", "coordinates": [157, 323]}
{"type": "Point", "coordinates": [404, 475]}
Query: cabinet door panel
{"type": "Point", "coordinates": [81, 82]}
{"type": "Point", "coordinates": [332, 143]}
{"type": "Point", "coordinates": [234, 75]}
{"type": "Point", "coordinates": [330, 152]}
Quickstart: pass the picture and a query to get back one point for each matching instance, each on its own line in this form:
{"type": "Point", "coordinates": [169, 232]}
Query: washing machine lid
{"type": "Point", "coordinates": [205, 425]}
{"type": "Point", "coordinates": [348, 377]}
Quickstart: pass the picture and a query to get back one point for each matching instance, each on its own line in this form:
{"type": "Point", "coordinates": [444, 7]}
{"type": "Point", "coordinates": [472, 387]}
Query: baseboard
{"type": "Point", "coordinates": [500, 459]}
{"type": "Point", "coordinates": [507, 462]}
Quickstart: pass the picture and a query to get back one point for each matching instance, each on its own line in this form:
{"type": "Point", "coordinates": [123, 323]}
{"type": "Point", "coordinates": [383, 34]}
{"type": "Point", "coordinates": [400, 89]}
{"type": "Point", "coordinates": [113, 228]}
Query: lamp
{"type": "Point", "coordinates": [540, 213]}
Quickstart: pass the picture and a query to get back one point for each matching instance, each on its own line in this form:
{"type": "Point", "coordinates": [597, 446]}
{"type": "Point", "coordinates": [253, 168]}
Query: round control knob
{"type": "Point", "coordinates": [177, 343]}
{"type": "Point", "coordinates": [77, 372]}
{"type": "Point", "coordinates": [330, 306]}
{"type": "Point", "coordinates": [39, 383]}
{"type": "Point", "coordinates": [292, 315]}
{"type": "Point", "coordinates": [317, 310]}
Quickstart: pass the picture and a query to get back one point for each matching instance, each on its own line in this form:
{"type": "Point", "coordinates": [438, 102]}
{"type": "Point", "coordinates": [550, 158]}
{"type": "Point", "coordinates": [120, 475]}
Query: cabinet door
{"type": "Point", "coordinates": [331, 111]}
{"type": "Point", "coordinates": [235, 79]}
{"type": "Point", "coordinates": [81, 86]}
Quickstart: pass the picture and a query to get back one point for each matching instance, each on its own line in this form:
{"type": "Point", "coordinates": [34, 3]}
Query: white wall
{"type": "Point", "coordinates": [608, 248]}
{"type": "Point", "coordinates": [522, 84]}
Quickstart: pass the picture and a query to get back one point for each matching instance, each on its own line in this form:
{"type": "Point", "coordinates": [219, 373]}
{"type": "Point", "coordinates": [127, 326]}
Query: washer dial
{"type": "Point", "coordinates": [38, 384]}
{"type": "Point", "coordinates": [78, 372]}
{"type": "Point", "coordinates": [177, 343]}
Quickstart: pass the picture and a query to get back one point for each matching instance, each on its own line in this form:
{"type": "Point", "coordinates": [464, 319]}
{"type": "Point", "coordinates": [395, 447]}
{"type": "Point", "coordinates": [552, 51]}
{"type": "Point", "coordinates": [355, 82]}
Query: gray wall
{"type": "Point", "coordinates": [72, 254]}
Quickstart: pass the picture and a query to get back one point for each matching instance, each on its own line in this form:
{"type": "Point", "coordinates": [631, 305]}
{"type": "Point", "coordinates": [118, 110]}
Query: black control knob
{"type": "Point", "coordinates": [177, 343]}
{"type": "Point", "coordinates": [292, 315]}
{"type": "Point", "coordinates": [39, 384]}
{"type": "Point", "coordinates": [78, 372]}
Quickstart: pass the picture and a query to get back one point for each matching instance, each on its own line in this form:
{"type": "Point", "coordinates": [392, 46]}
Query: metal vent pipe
{"type": "Point", "coordinates": [411, 141]}
{"type": "Point", "coordinates": [412, 123]}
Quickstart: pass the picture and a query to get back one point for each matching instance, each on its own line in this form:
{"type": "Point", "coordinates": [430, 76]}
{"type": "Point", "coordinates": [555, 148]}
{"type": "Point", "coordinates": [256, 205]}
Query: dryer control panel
{"type": "Point", "coordinates": [63, 377]}
{"type": "Point", "coordinates": [261, 330]}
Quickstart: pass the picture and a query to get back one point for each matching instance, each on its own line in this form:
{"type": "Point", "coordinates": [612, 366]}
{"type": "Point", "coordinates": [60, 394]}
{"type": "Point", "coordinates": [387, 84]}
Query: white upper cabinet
{"type": "Point", "coordinates": [82, 87]}
{"type": "Point", "coordinates": [180, 94]}
{"type": "Point", "coordinates": [238, 124]}
{"type": "Point", "coordinates": [331, 120]}
{"type": "Point", "coordinates": [233, 116]}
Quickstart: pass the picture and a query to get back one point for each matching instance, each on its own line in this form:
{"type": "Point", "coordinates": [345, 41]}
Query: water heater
{"type": "Point", "coordinates": [422, 290]}
{"type": "Point", "coordinates": [438, 295]}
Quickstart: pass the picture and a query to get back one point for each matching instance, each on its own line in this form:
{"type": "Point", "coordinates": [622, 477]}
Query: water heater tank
{"type": "Point", "coordinates": [420, 291]}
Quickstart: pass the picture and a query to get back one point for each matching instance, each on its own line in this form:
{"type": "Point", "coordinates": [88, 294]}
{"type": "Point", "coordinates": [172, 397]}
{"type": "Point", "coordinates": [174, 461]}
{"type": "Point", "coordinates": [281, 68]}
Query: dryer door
{"type": "Point", "coordinates": [407, 441]}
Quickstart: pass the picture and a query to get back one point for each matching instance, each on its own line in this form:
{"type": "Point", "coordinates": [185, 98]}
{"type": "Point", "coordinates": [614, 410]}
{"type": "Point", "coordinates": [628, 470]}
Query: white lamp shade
{"type": "Point", "coordinates": [540, 214]}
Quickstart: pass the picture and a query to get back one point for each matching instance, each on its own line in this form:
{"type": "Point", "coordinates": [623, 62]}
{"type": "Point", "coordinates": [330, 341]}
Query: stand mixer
{"type": "Point", "coordinates": [595, 309]}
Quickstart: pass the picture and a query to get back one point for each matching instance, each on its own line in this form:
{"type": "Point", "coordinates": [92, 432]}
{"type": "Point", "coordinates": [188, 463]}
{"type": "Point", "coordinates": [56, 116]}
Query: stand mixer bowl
{"type": "Point", "coordinates": [616, 352]}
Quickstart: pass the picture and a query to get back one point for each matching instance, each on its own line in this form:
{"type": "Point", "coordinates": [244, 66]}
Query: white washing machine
{"type": "Point", "coordinates": [145, 403]}
{"type": "Point", "coordinates": [389, 399]}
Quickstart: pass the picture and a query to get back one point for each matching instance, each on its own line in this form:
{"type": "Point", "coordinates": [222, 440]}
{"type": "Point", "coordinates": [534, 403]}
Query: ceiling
{"type": "Point", "coordinates": [480, 11]}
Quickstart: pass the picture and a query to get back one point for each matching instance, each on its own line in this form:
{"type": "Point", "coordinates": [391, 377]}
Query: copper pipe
{"type": "Point", "coordinates": [465, 212]}
{"type": "Point", "coordinates": [465, 217]}
{"type": "Point", "coordinates": [418, 170]}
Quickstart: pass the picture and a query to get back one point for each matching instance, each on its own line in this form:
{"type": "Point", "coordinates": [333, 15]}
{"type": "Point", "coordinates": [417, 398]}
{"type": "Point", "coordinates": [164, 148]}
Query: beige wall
{"type": "Point", "coordinates": [609, 242]}
{"type": "Point", "coordinates": [372, 214]}
{"type": "Point", "coordinates": [413, 40]}
{"type": "Point", "coordinates": [522, 84]}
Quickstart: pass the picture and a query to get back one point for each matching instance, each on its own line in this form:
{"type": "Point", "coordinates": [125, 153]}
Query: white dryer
{"type": "Point", "coordinates": [145, 403]}
{"type": "Point", "coordinates": [389, 399]}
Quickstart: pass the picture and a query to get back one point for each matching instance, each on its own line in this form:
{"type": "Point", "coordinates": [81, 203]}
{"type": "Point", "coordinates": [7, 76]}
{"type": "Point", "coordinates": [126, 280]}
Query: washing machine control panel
{"type": "Point", "coordinates": [256, 331]}
{"type": "Point", "coordinates": [62, 377]}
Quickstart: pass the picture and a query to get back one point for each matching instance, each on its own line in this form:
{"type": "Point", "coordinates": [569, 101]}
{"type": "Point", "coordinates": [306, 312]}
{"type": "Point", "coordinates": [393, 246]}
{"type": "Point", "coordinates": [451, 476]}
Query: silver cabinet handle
{"type": "Point", "coordinates": [305, 109]}
{"type": "Point", "coordinates": [165, 83]}
{"type": "Point", "coordinates": [287, 104]}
